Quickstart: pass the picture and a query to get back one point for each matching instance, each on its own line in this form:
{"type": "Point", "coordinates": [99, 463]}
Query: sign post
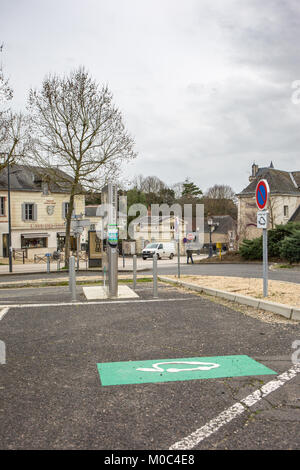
{"type": "Point", "coordinates": [262, 195]}
{"type": "Point", "coordinates": [177, 237]}
{"type": "Point", "coordinates": [109, 197]}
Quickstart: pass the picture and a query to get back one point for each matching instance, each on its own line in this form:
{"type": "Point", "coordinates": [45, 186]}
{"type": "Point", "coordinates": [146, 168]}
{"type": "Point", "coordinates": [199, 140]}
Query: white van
{"type": "Point", "coordinates": [162, 250]}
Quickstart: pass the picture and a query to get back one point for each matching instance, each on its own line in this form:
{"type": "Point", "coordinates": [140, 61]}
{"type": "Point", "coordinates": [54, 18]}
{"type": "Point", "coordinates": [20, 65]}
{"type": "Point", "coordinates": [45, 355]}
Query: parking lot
{"type": "Point", "coordinates": [53, 395]}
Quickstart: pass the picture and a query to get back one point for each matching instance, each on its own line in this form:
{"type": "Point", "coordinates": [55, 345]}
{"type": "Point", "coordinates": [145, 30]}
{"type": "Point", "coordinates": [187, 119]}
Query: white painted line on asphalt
{"type": "Point", "coordinates": [3, 312]}
{"type": "Point", "coordinates": [237, 409]}
{"type": "Point", "coordinates": [93, 303]}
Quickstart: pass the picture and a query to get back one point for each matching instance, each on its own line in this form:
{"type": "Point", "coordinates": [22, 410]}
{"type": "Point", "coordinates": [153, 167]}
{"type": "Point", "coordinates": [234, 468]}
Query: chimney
{"type": "Point", "coordinates": [254, 172]}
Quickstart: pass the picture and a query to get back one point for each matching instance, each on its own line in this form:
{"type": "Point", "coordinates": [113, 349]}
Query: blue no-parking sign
{"type": "Point", "coordinates": [262, 194]}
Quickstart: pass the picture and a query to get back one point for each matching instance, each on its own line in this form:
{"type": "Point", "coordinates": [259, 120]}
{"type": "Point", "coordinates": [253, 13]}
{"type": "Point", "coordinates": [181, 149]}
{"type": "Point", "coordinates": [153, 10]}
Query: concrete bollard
{"type": "Point", "coordinates": [155, 294]}
{"type": "Point", "coordinates": [134, 271]}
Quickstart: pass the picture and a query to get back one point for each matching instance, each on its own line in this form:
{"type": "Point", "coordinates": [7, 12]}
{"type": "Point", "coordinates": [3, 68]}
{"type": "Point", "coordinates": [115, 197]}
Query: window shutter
{"type": "Point", "coordinates": [34, 212]}
{"type": "Point", "coordinates": [23, 211]}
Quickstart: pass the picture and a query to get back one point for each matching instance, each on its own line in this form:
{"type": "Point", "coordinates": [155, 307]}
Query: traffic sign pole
{"type": "Point", "coordinates": [265, 261]}
{"type": "Point", "coordinates": [177, 236]}
{"type": "Point", "coordinates": [178, 258]}
{"type": "Point", "coordinates": [262, 195]}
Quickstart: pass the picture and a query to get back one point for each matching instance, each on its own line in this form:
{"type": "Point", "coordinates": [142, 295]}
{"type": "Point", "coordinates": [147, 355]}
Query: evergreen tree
{"type": "Point", "coordinates": [190, 190]}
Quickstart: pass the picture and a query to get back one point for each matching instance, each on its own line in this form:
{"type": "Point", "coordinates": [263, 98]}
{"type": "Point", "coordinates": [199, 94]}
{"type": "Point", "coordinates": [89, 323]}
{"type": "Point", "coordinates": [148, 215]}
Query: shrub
{"type": "Point", "coordinates": [275, 237]}
{"type": "Point", "coordinates": [251, 249]}
{"type": "Point", "coordinates": [290, 247]}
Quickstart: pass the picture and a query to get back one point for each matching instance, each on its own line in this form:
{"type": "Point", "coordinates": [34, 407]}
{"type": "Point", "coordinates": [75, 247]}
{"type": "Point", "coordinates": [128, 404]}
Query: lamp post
{"type": "Point", "coordinates": [212, 225]}
{"type": "Point", "coordinates": [9, 219]}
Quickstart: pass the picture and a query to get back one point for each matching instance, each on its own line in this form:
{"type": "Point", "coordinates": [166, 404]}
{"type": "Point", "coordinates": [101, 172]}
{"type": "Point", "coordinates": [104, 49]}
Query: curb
{"type": "Point", "coordinates": [65, 271]}
{"type": "Point", "coordinates": [287, 311]}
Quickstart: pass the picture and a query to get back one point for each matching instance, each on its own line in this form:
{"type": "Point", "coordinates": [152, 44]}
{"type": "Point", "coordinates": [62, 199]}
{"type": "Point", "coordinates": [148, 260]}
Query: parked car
{"type": "Point", "coordinates": [162, 250]}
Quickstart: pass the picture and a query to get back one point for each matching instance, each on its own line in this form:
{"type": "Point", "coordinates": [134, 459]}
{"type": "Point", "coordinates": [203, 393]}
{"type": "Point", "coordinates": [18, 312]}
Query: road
{"type": "Point", "coordinates": [52, 396]}
{"type": "Point", "coordinates": [242, 270]}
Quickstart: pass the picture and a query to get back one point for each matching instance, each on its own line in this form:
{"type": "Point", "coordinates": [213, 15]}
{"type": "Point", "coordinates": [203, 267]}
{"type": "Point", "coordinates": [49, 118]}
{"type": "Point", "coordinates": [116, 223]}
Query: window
{"type": "Point", "coordinates": [29, 212]}
{"type": "Point", "coordinates": [2, 206]}
{"type": "Point", "coordinates": [286, 211]}
{"type": "Point", "coordinates": [34, 242]}
{"type": "Point", "coordinates": [65, 209]}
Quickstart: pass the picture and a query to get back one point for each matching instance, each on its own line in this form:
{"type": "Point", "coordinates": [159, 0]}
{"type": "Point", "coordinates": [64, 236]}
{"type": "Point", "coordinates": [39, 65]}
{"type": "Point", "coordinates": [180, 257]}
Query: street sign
{"type": "Point", "coordinates": [190, 236]}
{"type": "Point", "coordinates": [168, 370]}
{"type": "Point", "coordinates": [262, 219]}
{"type": "Point", "coordinates": [112, 235]}
{"type": "Point", "coordinates": [262, 194]}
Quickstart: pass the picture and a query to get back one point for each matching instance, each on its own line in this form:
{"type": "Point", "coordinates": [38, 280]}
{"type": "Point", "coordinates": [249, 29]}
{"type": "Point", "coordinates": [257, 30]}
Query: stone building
{"type": "Point", "coordinates": [38, 210]}
{"type": "Point", "coordinates": [223, 230]}
{"type": "Point", "coordinates": [284, 199]}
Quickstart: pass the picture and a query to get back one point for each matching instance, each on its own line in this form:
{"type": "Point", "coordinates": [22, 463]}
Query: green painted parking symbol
{"type": "Point", "coordinates": [170, 370]}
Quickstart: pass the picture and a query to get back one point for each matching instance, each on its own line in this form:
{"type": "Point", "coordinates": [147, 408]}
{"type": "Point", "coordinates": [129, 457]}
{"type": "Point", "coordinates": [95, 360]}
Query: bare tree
{"type": "Point", "coordinates": [12, 128]}
{"type": "Point", "coordinates": [149, 184]}
{"type": "Point", "coordinates": [220, 191]}
{"type": "Point", "coordinates": [77, 128]}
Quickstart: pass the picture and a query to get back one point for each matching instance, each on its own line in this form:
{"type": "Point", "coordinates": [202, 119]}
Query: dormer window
{"type": "Point", "coordinates": [45, 189]}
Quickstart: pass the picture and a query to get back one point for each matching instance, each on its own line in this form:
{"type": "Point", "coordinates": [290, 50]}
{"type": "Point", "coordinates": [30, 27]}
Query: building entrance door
{"type": "Point", "coordinates": [5, 245]}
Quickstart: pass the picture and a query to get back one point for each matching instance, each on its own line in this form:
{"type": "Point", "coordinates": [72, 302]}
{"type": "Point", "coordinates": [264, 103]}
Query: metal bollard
{"type": "Point", "coordinates": [48, 264]}
{"type": "Point", "coordinates": [72, 277]}
{"type": "Point", "coordinates": [58, 264]}
{"type": "Point", "coordinates": [155, 295]}
{"type": "Point", "coordinates": [134, 271]}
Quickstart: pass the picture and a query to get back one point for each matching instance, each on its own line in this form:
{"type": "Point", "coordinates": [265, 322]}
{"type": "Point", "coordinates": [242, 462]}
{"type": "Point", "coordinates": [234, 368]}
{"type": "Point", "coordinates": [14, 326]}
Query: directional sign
{"type": "Point", "coordinates": [77, 229]}
{"type": "Point", "coordinates": [80, 223]}
{"type": "Point", "coordinates": [170, 370]}
{"type": "Point", "coordinates": [262, 194]}
{"type": "Point", "coordinates": [262, 219]}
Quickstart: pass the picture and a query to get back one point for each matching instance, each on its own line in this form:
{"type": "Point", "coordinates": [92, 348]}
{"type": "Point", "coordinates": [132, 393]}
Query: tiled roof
{"type": "Point", "coordinates": [226, 223]}
{"type": "Point", "coordinates": [31, 178]}
{"type": "Point", "coordinates": [280, 182]}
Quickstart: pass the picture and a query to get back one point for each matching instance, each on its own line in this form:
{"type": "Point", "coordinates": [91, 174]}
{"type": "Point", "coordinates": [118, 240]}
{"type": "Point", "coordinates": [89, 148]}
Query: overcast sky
{"type": "Point", "coordinates": [204, 87]}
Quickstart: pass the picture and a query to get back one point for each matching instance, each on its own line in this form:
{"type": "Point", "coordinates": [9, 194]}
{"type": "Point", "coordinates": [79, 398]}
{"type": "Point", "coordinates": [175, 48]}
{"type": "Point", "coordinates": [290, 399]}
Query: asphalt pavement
{"type": "Point", "coordinates": [52, 396]}
{"type": "Point", "coordinates": [213, 269]}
